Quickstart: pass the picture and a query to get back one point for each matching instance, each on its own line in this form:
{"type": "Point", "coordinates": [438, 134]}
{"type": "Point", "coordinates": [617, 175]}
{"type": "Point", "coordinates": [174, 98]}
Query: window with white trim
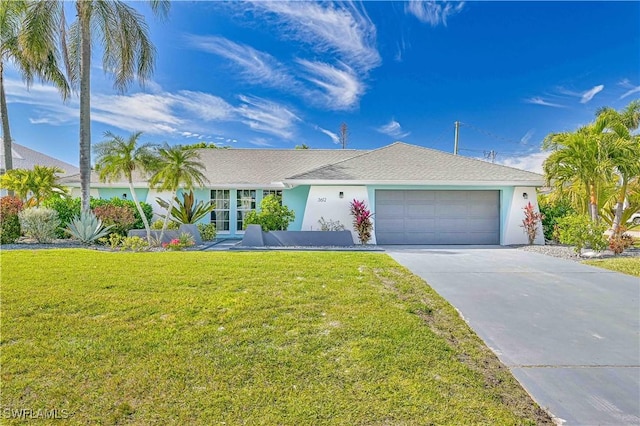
{"type": "Point", "coordinates": [276, 192]}
{"type": "Point", "coordinates": [220, 215]}
{"type": "Point", "coordinates": [245, 202]}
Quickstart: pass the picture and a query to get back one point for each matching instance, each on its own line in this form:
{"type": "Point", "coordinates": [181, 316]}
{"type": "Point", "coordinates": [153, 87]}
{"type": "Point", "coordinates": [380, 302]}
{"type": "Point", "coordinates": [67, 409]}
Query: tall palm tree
{"type": "Point", "coordinates": [117, 158]}
{"type": "Point", "coordinates": [31, 57]}
{"type": "Point", "coordinates": [127, 53]}
{"type": "Point", "coordinates": [580, 161]}
{"type": "Point", "coordinates": [624, 149]}
{"type": "Point", "coordinates": [179, 167]}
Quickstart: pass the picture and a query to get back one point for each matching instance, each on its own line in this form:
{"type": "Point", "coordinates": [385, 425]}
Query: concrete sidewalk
{"type": "Point", "coordinates": [568, 332]}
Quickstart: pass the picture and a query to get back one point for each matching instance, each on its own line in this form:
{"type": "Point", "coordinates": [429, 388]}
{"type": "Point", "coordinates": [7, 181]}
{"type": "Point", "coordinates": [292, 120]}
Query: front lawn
{"type": "Point", "coordinates": [626, 265]}
{"type": "Point", "coordinates": [242, 338]}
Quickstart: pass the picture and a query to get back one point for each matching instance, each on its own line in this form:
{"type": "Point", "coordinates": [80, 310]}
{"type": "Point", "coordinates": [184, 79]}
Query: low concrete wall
{"type": "Point", "coordinates": [254, 236]}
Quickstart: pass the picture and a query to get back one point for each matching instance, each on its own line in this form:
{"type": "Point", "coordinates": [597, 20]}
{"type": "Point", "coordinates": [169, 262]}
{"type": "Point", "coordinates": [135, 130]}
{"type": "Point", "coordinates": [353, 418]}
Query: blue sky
{"type": "Point", "coordinates": [258, 74]}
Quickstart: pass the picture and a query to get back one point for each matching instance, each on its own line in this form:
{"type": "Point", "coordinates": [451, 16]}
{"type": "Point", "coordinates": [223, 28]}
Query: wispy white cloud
{"type": "Point", "coordinates": [631, 88]}
{"type": "Point", "coordinates": [433, 12]}
{"type": "Point", "coordinates": [527, 137]}
{"type": "Point", "coordinates": [393, 129]}
{"type": "Point", "coordinates": [256, 67]}
{"type": "Point", "coordinates": [530, 162]}
{"type": "Point", "coordinates": [539, 101]}
{"type": "Point", "coordinates": [333, 136]}
{"type": "Point", "coordinates": [345, 30]}
{"type": "Point", "coordinates": [268, 117]}
{"type": "Point", "coordinates": [339, 88]}
{"type": "Point", "coordinates": [203, 105]}
{"type": "Point", "coordinates": [589, 94]}
{"type": "Point", "coordinates": [260, 142]}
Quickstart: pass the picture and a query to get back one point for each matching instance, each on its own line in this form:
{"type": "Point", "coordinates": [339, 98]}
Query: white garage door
{"type": "Point", "coordinates": [437, 217]}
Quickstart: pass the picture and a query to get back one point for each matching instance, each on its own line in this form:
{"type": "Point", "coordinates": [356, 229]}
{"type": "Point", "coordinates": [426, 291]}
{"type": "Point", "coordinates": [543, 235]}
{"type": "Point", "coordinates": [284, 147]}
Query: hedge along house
{"type": "Point", "coordinates": [417, 195]}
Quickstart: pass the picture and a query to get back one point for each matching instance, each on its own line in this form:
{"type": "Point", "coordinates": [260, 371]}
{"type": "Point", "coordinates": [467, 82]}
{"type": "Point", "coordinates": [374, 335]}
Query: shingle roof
{"type": "Point", "coordinates": [401, 162]}
{"type": "Point", "coordinates": [26, 158]}
{"type": "Point", "coordinates": [238, 167]}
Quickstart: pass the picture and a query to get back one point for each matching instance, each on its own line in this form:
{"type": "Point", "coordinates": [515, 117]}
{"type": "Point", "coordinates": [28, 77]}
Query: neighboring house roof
{"type": "Point", "coordinates": [398, 163]}
{"type": "Point", "coordinates": [26, 158]}
{"type": "Point", "coordinates": [404, 163]}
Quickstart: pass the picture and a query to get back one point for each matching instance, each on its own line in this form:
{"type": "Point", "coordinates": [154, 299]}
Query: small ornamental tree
{"type": "Point", "coordinates": [531, 221]}
{"type": "Point", "coordinates": [361, 220]}
{"type": "Point", "coordinates": [273, 216]}
{"type": "Point", "coordinates": [9, 221]}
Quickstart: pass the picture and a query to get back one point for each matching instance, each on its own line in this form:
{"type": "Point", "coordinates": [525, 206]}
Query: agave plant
{"type": "Point", "coordinates": [87, 228]}
{"type": "Point", "coordinates": [187, 211]}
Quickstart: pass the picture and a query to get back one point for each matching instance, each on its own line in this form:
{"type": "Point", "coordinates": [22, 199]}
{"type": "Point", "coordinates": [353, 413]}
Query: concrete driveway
{"type": "Point", "coordinates": [570, 333]}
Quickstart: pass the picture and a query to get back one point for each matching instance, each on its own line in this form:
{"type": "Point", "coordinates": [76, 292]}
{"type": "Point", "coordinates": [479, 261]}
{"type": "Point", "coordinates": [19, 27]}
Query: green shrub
{"type": "Point", "coordinates": [273, 216]}
{"type": "Point", "coordinates": [9, 222]}
{"type": "Point", "coordinates": [39, 223]}
{"type": "Point", "coordinates": [207, 231]}
{"type": "Point", "coordinates": [119, 218]}
{"type": "Point", "coordinates": [68, 208]}
{"type": "Point", "coordinates": [134, 244]}
{"type": "Point", "coordinates": [552, 212]}
{"type": "Point", "coordinates": [580, 231]}
{"type": "Point", "coordinates": [114, 240]}
{"type": "Point", "coordinates": [157, 225]}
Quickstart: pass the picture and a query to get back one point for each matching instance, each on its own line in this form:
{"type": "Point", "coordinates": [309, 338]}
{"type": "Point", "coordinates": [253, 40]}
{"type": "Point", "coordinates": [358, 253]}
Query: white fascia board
{"type": "Point", "coordinates": [531, 183]}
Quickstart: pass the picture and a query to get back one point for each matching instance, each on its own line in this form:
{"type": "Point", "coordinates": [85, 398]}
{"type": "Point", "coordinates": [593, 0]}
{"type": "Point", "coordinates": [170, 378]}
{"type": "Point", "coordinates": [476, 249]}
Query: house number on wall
{"type": "Point", "coordinates": [322, 199]}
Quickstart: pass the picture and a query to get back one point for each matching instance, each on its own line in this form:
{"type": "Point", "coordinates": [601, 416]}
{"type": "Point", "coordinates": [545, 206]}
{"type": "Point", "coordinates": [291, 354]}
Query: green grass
{"type": "Point", "coordinates": [242, 338]}
{"type": "Point", "coordinates": [626, 265]}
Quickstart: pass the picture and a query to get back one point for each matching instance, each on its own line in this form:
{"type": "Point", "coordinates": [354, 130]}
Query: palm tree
{"type": "Point", "coordinates": [33, 186]}
{"type": "Point", "coordinates": [624, 149]}
{"type": "Point", "coordinates": [117, 158]}
{"type": "Point", "coordinates": [31, 57]}
{"type": "Point", "coordinates": [179, 167]}
{"type": "Point", "coordinates": [580, 163]}
{"type": "Point", "coordinates": [127, 53]}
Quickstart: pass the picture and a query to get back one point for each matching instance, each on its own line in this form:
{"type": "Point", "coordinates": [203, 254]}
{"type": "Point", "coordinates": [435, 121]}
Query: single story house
{"type": "Point", "coordinates": [417, 195]}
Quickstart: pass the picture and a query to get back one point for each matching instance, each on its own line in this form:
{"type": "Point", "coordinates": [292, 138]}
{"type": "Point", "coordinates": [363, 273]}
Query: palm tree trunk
{"type": "Point", "coordinates": [6, 133]}
{"type": "Point", "coordinates": [85, 102]}
{"type": "Point", "coordinates": [593, 202]}
{"type": "Point", "coordinates": [166, 218]}
{"type": "Point", "coordinates": [617, 218]}
{"type": "Point", "coordinates": [141, 212]}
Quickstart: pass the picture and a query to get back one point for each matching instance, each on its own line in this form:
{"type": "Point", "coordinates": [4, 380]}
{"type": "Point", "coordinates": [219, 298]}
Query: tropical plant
{"type": "Point", "coordinates": [32, 57]}
{"type": "Point", "coordinates": [579, 231]}
{"type": "Point", "coordinates": [87, 228]}
{"type": "Point", "coordinates": [35, 185]}
{"type": "Point", "coordinates": [159, 224]}
{"type": "Point", "coordinates": [39, 223]}
{"type": "Point", "coordinates": [207, 231]}
{"type": "Point", "coordinates": [179, 167]}
{"type": "Point", "coordinates": [10, 207]}
{"type": "Point", "coordinates": [620, 242]}
{"type": "Point", "coordinates": [362, 222]}
{"type": "Point", "coordinates": [187, 211]}
{"type": "Point", "coordinates": [273, 216]}
{"type": "Point", "coordinates": [579, 164]}
{"type": "Point", "coordinates": [624, 152]}
{"type": "Point", "coordinates": [119, 158]}
{"type": "Point", "coordinates": [114, 240]}
{"type": "Point", "coordinates": [531, 221]}
{"type": "Point", "coordinates": [184, 241]}
{"type": "Point", "coordinates": [127, 53]}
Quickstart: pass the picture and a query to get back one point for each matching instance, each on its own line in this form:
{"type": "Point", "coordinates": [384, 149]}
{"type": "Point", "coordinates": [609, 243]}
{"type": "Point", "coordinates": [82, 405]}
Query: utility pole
{"type": "Point", "coordinates": [344, 134]}
{"type": "Point", "coordinates": [455, 142]}
{"type": "Point", "coordinates": [490, 155]}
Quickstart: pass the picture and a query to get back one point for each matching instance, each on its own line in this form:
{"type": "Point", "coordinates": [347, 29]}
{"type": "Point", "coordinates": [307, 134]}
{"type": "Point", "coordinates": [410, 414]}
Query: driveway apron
{"type": "Point", "coordinates": [570, 333]}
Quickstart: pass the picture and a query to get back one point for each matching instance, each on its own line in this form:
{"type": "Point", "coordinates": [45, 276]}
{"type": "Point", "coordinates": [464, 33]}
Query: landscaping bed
{"type": "Point", "coordinates": [242, 338]}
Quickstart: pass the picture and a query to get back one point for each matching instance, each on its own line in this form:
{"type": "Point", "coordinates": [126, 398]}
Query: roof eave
{"type": "Point", "coordinates": [492, 183]}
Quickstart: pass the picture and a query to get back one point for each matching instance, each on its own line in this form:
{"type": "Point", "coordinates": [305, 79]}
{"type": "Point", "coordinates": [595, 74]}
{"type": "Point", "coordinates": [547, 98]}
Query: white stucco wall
{"type": "Point", "coordinates": [325, 201]}
{"type": "Point", "coordinates": [513, 232]}
{"type": "Point", "coordinates": [151, 199]}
